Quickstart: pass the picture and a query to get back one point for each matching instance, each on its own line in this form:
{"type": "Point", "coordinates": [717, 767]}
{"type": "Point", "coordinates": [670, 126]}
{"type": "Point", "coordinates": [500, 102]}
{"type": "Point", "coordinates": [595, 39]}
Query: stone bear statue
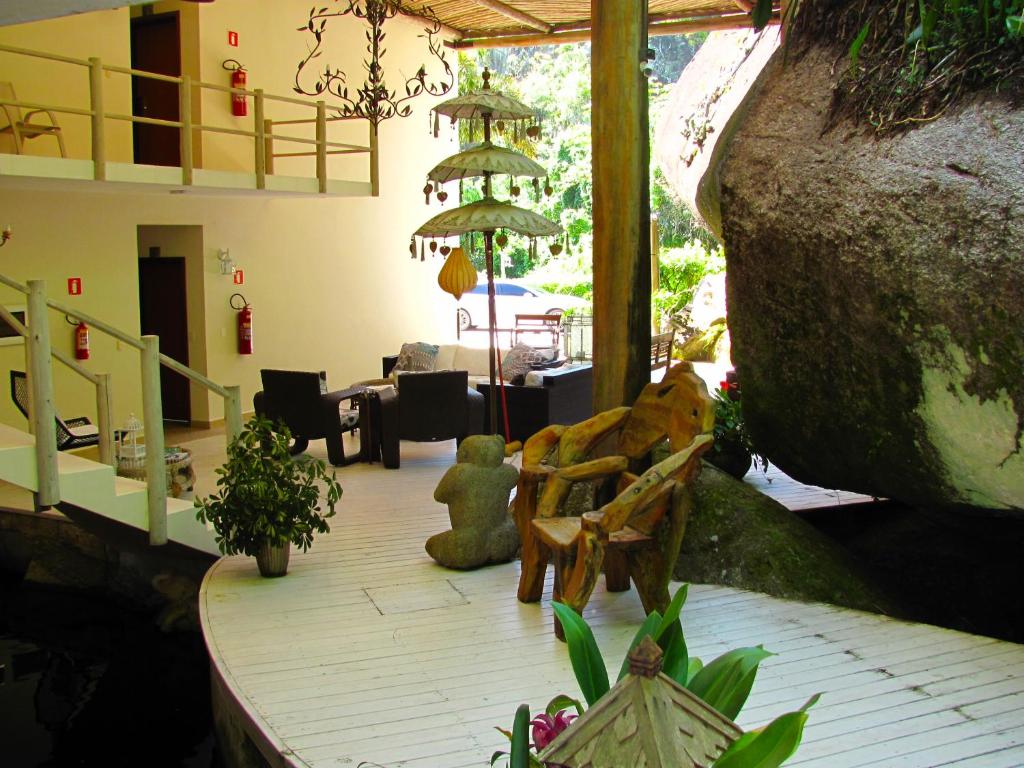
{"type": "Point", "coordinates": [476, 491]}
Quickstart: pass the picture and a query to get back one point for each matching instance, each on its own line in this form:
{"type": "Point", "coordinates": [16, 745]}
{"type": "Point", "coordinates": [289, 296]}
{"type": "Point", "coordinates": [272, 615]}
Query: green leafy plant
{"type": "Point", "coordinates": [266, 497]}
{"type": "Point", "coordinates": [731, 430]}
{"type": "Point", "coordinates": [911, 60]}
{"type": "Point", "coordinates": [725, 683]}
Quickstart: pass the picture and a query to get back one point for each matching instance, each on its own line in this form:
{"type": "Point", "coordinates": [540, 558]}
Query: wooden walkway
{"type": "Point", "coordinates": [368, 652]}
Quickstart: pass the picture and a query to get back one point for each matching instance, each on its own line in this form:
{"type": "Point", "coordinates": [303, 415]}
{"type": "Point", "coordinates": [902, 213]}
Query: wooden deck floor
{"type": "Point", "coordinates": [369, 652]}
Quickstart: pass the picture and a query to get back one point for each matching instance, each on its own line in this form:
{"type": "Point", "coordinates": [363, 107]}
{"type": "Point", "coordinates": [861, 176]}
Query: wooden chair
{"type": "Point", "coordinates": [22, 127]}
{"type": "Point", "coordinates": [635, 536]}
{"type": "Point", "coordinates": [71, 434]}
{"type": "Point", "coordinates": [542, 324]}
{"type": "Point", "coordinates": [661, 350]}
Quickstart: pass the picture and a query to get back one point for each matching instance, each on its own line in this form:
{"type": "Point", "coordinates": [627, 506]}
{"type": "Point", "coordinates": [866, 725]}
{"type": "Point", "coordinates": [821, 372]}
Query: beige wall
{"type": "Point", "coordinates": [103, 34]}
{"type": "Point", "coordinates": [329, 279]}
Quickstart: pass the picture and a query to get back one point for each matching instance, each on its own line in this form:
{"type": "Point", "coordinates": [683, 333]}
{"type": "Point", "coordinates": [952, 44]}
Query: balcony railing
{"type": "Point", "coordinates": [262, 132]}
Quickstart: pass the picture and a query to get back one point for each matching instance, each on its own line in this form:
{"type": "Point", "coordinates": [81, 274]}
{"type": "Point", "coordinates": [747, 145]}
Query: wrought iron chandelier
{"type": "Point", "coordinates": [373, 100]}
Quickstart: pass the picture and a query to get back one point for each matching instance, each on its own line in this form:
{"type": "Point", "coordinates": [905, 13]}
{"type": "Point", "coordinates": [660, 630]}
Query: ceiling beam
{"type": "Point", "coordinates": [516, 15]}
{"type": "Point", "coordinates": [579, 35]}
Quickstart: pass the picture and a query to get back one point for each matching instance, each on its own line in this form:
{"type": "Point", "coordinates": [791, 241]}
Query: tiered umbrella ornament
{"type": "Point", "coordinates": [487, 109]}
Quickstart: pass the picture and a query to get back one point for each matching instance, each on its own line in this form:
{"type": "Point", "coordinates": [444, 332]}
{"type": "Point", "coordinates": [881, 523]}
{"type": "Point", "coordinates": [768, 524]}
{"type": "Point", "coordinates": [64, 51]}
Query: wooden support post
{"type": "Point", "coordinates": [104, 415]}
{"type": "Point", "coordinates": [233, 413]}
{"type": "Point", "coordinates": [321, 145]}
{"type": "Point", "coordinates": [268, 145]}
{"type": "Point", "coordinates": [374, 162]}
{"type": "Point", "coordinates": [655, 275]}
{"type": "Point", "coordinates": [99, 147]}
{"type": "Point", "coordinates": [622, 276]}
{"type": "Point", "coordinates": [40, 378]}
{"type": "Point", "coordinates": [185, 111]}
{"type": "Point", "coordinates": [153, 423]}
{"type": "Point", "coordinates": [261, 140]}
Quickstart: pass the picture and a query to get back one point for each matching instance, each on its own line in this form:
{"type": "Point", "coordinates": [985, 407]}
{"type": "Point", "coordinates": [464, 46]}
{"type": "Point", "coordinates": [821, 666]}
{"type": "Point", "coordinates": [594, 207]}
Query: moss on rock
{"type": "Point", "coordinates": [739, 537]}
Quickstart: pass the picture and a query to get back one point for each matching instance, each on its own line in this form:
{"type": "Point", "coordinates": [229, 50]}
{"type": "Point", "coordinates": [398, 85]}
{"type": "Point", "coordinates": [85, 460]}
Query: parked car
{"type": "Point", "coordinates": [511, 299]}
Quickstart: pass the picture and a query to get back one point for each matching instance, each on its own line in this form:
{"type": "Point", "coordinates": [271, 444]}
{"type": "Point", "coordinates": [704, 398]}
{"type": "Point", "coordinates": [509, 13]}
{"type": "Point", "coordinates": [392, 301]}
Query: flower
{"type": "Point", "coordinates": [546, 727]}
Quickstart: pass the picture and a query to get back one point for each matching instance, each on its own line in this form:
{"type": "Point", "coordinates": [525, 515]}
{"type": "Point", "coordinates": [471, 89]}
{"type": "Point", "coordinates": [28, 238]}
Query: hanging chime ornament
{"type": "Point", "coordinates": [487, 216]}
{"type": "Point", "coordinates": [458, 275]}
{"type": "Point", "coordinates": [374, 100]}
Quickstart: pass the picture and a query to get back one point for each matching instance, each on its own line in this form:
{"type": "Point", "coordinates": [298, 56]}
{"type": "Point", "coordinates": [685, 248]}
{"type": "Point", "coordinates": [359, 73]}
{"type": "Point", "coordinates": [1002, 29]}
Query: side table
{"type": "Point", "coordinates": [181, 476]}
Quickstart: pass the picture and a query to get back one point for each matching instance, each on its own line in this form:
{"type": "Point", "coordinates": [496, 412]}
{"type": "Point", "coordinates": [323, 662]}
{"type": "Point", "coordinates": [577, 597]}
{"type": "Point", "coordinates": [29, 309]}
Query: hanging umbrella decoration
{"type": "Point", "coordinates": [488, 216]}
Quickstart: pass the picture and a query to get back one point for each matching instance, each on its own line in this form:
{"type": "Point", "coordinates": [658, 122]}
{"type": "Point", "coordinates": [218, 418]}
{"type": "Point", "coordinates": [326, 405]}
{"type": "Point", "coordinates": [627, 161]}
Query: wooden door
{"type": "Point", "coordinates": [163, 312]}
{"type": "Point", "coordinates": [156, 47]}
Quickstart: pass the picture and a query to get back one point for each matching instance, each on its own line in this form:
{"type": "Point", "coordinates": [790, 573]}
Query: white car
{"type": "Point", "coordinates": [511, 299]}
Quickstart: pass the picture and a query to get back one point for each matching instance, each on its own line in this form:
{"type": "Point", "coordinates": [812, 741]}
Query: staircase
{"type": "Point", "coordinates": [94, 487]}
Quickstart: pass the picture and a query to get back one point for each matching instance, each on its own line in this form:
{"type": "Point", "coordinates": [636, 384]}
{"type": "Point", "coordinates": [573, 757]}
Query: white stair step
{"type": "Point", "coordinates": [183, 527]}
{"type": "Point", "coordinates": [95, 487]}
{"type": "Point", "coordinates": [84, 483]}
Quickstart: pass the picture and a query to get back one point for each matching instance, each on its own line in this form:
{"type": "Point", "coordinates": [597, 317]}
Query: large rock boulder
{"type": "Point", "coordinates": [739, 537]}
{"type": "Point", "coordinates": [875, 289]}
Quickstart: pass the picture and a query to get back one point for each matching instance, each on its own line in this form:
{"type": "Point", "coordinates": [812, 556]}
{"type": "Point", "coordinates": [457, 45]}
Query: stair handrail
{"type": "Point", "coordinates": [39, 351]}
{"type": "Point", "coordinates": [101, 381]}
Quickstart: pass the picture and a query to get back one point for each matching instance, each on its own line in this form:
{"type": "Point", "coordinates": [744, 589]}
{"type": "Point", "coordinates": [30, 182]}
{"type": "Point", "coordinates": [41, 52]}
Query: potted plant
{"type": "Point", "coordinates": [733, 450]}
{"type": "Point", "coordinates": [266, 500]}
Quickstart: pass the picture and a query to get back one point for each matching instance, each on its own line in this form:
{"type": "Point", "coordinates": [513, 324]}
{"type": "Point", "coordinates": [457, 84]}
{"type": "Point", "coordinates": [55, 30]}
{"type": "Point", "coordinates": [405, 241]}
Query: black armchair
{"type": "Point", "coordinates": [428, 407]}
{"type": "Point", "coordinates": [73, 433]}
{"type": "Point", "coordinates": [300, 400]}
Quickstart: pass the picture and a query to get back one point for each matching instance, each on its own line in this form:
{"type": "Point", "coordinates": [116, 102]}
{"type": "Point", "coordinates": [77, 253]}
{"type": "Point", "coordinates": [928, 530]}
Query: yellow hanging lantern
{"type": "Point", "coordinates": [457, 275]}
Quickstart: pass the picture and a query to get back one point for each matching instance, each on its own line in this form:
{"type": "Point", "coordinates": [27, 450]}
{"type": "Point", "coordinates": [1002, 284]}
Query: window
{"type": "Point", "coordinates": [479, 288]}
{"type": "Point", "coordinates": [506, 289]}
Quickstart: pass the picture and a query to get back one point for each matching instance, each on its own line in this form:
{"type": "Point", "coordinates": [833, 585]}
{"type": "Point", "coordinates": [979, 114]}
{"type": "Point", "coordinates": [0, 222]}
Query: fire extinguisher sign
{"type": "Point", "coordinates": [74, 286]}
{"type": "Point", "coordinates": [233, 39]}
{"type": "Point", "coordinates": [238, 277]}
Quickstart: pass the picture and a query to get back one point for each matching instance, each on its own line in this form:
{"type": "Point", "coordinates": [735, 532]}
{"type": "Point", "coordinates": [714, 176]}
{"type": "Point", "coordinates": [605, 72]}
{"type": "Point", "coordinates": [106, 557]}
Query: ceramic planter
{"type": "Point", "coordinates": [273, 560]}
{"type": "Point", "coordinates": [731, 458]}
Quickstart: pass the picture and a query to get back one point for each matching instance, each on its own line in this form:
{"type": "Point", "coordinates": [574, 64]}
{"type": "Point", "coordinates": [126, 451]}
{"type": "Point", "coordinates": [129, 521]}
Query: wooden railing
{"type": "Point", "coordinates": [38, 351]}
{"type": "Point", "coordinates": [262, 132]}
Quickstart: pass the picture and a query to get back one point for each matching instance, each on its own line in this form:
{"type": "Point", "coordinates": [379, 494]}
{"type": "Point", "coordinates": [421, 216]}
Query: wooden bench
{"type": "Point", "coordinates": [550, 324]}
{"type": "Point", "coordinates": [661, 350]}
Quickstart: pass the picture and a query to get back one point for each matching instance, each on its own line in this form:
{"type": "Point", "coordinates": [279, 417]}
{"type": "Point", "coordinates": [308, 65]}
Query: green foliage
{"type": "Point", "coordinates": [731, 428]}
{"type": "Point", "coordinates": [770, 746]}
{"type": "Point", "coordinates": [556, 81]}
{"type": "Point", "coordinates": [587, 661]}
{"type": "Point", "coordinates": [265, 496]}
{"type": "Point", "coordinates": [680, 271]}
{"type": "Point", "coordinates": [910, 60]}
{"type": "Point", "coordinates": [724, 684]}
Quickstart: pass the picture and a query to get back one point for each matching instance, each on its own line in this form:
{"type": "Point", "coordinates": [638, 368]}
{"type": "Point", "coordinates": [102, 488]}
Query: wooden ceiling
{"type": "Point", "coordinates": [492, 23]}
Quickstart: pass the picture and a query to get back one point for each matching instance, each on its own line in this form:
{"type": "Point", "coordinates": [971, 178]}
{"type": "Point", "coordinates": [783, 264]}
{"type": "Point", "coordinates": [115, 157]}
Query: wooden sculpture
{"type": "Point", "coordinates": [637, 534]}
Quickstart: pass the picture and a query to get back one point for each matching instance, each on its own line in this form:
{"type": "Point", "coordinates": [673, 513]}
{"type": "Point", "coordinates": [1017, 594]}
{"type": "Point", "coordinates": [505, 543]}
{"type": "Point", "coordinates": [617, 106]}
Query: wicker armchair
{"type": "Point", "coordinates": [429, 407]}
{"type": "Point", "coordinates": [300, 400]}
{"type": "Point", "coordinates": [73, 433]}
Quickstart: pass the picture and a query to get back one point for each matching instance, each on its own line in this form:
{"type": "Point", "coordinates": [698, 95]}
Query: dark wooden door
{"type": "Point", "coordinates": [163, 313]}
{"type": "Point", "coordinates": [156, 47]}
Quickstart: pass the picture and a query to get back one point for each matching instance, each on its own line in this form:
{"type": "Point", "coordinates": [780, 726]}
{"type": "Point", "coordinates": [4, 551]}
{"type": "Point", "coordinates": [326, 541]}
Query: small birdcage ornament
{"type": "Point", "coordinates": [131, 448]}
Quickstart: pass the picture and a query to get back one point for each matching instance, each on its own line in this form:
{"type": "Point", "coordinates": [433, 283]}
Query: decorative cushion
{"type": "Point", "coordinates": [418, 356]}
{"type": "Point", "coordinates": [517, 362]}
{"type": "Point", "coordinates": [473, 360]}
{"type": "Point", "coordinates": [445, 360]}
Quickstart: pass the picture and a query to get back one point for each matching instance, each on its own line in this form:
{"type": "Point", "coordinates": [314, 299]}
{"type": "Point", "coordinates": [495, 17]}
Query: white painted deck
{"type": "Point", "coordinates": [368, 651]}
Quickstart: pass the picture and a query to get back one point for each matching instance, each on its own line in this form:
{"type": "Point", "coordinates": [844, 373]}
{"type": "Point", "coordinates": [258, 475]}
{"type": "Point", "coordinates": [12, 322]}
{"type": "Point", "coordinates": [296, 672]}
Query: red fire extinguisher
{"type": "Point", "coordinates": [81, 341]}
{"type": "Point", "coordinates": [244, 324]}
{"type": "Point", "coordinates": [239, 104]}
